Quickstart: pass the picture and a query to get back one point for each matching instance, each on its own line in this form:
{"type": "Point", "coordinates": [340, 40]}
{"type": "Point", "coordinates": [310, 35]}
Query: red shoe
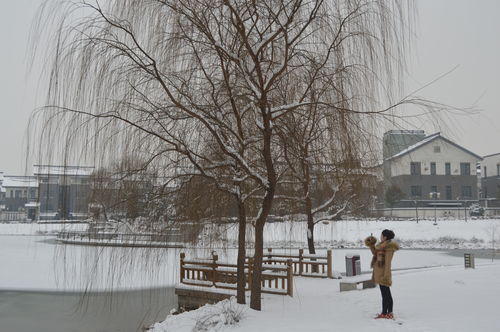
{"type": "Point", "coordinates": [381, 316]}
{"type": "Point", "coordinates": [389, 316]}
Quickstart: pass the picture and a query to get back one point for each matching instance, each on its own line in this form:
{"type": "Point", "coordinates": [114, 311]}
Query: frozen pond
{"type": "Point", "coordinates": [125, 311]}
{"type": "Point", "coordinates": [48, 287]}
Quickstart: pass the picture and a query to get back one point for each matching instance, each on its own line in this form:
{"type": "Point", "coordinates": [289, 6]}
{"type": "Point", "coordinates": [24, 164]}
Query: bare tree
{"type": "Point", "coordinates": [162, 77]}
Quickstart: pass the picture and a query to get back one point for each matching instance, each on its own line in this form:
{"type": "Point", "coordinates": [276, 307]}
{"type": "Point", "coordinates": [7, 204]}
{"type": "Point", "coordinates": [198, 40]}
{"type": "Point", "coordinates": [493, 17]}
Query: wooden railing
{"type": "Point", "coordinates": [306, 265]}
{"type": "Point", "coordinates": [276, 278]}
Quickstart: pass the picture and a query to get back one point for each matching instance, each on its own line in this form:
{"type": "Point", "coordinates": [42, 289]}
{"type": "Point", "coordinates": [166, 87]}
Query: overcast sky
{"type": "Point", "coordinates": [450, 33]}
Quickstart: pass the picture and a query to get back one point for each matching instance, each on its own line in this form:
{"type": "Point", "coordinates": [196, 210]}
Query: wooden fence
{"type": "Point", "coordinates": [305, 265]}
{"type": "Point", "coordinates": [276, 278]}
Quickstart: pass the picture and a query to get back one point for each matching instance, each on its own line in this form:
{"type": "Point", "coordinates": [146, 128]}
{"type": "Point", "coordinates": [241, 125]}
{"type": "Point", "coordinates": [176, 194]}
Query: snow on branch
{"type": "Point", "coordinates": [336, 214]}
{"type": "Point", "coordinates": [328, 202]}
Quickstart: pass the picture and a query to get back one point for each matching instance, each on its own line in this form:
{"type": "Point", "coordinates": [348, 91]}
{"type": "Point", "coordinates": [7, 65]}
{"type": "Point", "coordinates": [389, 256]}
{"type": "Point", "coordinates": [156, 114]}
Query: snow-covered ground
{"type": "Point", "coordinates": [37, 262]}
{"type": "Point", "coordinates": [440, 296]}
{"type": "Point", "coordinates": [447, 234]}
{"type": "Point", "coordinates": [436, 299]}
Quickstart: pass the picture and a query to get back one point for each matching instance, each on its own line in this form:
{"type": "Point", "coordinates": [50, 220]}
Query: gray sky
{"type": "Point", "coordinates": [450, 33]}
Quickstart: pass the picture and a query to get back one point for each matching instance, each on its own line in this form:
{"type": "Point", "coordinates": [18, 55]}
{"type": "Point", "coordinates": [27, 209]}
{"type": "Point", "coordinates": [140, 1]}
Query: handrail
{"type": "Point", "coordinates": [307, 265]}
{"type": "Point", "coordinates": [276, 279]}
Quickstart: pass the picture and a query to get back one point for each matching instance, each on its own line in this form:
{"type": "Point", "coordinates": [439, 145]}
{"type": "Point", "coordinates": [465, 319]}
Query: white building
{"type": "Point", "coordinates": [430, 164]}
{"type": "Point", "coordinates": [490, 179]}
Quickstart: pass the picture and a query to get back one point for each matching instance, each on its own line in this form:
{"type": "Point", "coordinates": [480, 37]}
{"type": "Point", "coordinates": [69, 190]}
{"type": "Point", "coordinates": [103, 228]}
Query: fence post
{"type": "Point", "coordinates": [301, 268]}
{"type": "Point", "coordinates": [329, 273]}
{"type": "Point", "coordinates": [289, 276]}
{"type": "Point", "coordinates": [183, 255]}
{"type": "Point", "coordinates": [214, 267]}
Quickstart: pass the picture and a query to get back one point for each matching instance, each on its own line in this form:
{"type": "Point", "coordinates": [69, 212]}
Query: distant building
{"type": "Point", "coordinates": [490, 179]}
{"type": "Point", "coordinates": [63, 191]}
{"type": "Point", "coordinates": [2, 193]}
{"type": "Point", "coordinates": [19, 194]}
{"type": "Point", "coordinates": [416, 165]}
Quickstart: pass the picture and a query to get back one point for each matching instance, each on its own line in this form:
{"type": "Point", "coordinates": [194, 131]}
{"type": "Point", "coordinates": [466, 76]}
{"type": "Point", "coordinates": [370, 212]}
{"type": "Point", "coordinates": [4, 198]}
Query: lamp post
{"type": "Point", "coordinates": [434, 195]}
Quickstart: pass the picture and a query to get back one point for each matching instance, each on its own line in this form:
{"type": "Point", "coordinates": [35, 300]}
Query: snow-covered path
{"type": "Point", "coordinates": [431, 300]}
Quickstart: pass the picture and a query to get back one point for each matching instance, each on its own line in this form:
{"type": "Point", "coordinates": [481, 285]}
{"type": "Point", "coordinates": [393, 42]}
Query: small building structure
{"type": "Point", "coordinates": [64, 191]}
{"type": "Point", "coordinates": [18, 198]}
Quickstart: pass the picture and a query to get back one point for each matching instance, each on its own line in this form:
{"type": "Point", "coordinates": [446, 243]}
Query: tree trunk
{"type": "Point", "coordinates": [310, 226]}
{"type": "Point", "coordinates": [241, 282]}
{"type": "Point", "coordinates": [310, 231]}
{"type": "Point", "coordinates": [255, 300]}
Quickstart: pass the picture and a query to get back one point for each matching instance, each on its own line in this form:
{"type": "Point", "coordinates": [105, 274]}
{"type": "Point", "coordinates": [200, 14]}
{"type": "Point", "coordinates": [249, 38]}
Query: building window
{"type": "Point", "coordinates": [447, 168]}
{"type": "Point", "coordinates": [416, 191]}
{"type": "Point", "coordinates": [18, 193]}
{"type": "Point", "coordinates": [434, 189]}
{"type": "Point", "coordinates": [449, 195]}
{"type": "Point", "coordinates": [433, 168]}
{"type": "Point", "coordinates": [498, 170]}
{"type": "Point", "coordinates": [415, 168]}
{"type": "Point", "coordinates": [485, 172]}
{"type": "Point", "coordinates": [464, 168]}
{"type": "Point", "coordinates": [437, 149]}
{"type": "Point", "coordinates": [466, 192]}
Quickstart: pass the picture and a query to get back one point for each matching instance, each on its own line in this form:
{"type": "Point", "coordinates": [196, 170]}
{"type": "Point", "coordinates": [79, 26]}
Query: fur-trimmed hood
{"type": "Point", "coordinates": [387, 245]}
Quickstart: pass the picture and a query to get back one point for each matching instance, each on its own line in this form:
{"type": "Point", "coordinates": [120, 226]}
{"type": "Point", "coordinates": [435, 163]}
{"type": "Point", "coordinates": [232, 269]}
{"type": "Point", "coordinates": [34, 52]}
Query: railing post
{"type": "Point", "coordinates": [301, 268]}
{"type": "Point", "coordinates": [269, 253]}
{"type": "Point", "coordinates": [183, 255]}
{"type": "Point", "coordinates": [289, 276]}
{"type": "Point", "coordinates": [329, 272]}
{"type": "Point", "coordinates": [214, 267]}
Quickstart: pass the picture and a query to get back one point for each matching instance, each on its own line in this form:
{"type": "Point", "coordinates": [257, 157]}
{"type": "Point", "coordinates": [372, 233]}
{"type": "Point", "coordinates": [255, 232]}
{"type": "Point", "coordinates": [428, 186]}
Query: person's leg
{"type": "Point", "coordinates": [389, 300]}
{"type": "Point", "coordinates": [385, 303]}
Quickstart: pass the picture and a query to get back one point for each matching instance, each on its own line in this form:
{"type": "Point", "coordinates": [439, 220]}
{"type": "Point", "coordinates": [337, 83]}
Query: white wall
{"type": "Point", "coordinates": [491, 165]}
{"type": "Point", "coordinates": [426, 155]}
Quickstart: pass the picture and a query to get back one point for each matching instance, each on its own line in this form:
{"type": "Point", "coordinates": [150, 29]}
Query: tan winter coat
{"type": "Point", "coordinates": [382, 260]}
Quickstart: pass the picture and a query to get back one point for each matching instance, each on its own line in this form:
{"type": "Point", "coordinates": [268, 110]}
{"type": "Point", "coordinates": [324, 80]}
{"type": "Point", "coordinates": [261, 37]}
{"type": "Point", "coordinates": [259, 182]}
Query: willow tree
{"type": "Point", "coordinates": [163, 77]}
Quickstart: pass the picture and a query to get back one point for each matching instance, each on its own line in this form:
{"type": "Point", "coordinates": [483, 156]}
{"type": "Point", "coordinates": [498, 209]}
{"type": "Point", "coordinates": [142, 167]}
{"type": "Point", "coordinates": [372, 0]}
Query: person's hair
{"type": "Point", "coordinates": [389, 235]}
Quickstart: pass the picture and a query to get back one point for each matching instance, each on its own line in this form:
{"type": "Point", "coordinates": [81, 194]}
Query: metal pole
{"type": "Point", "coordinates": [435, 210]}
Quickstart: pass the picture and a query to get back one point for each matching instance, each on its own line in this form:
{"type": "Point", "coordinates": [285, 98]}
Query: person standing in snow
{"type": "Point", "coordinates": [381, 265]}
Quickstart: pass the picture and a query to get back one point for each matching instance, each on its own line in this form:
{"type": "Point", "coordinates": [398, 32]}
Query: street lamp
{"type": "Point", "coordinates": [434, 195]}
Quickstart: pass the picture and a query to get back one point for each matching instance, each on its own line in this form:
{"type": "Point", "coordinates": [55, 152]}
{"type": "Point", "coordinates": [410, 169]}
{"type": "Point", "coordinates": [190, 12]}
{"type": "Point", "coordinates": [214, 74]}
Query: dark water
{"type": "Point", "coordinates": [124, 311]}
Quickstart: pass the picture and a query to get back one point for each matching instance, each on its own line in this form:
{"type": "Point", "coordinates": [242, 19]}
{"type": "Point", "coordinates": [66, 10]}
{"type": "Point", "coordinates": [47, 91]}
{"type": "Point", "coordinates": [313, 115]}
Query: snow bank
{"type": "Point", "coordinates": [448, 234]}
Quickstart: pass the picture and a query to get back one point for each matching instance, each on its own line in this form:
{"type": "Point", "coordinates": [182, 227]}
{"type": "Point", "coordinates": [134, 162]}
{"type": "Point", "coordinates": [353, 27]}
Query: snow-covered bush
{"type": "Point", "coordinates": [226, 312]}
{"type": "Point", "coordinates": [209, 318]}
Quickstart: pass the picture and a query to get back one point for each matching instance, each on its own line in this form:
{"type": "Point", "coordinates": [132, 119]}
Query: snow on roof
{"type": "Point", "coordinates": [63, 170]}
{"type": "Point", "coordinates": [415, 146]}
{"type": "Point", "coordinates": [488, 156]}
{"type": "Point", "coordinates": [429, 139]}
{"type": "Point", "coordinates": [19, 181]}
